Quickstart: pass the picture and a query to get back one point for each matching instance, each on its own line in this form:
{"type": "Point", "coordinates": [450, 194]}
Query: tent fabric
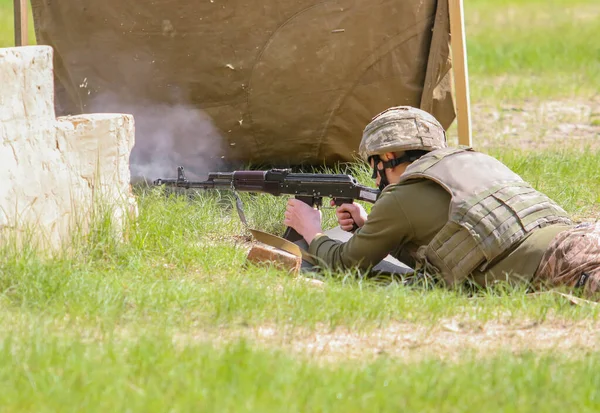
{"type": "Point", "coordinates": [283, 82]}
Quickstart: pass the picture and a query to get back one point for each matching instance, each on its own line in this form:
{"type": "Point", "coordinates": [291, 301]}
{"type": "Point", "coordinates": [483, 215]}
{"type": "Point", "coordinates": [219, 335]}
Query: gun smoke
{"type": "Point", "coordinates": [166, 136]}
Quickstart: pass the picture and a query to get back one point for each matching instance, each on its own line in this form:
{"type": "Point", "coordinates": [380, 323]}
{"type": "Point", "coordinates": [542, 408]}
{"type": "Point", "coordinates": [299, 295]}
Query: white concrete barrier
{"type": "Point", "coordinates": [54, 173]}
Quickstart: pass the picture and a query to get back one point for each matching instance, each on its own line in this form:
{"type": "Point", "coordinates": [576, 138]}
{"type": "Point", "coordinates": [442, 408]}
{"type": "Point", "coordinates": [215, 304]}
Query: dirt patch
{"type": "Point", "coordinates": [537, 125]}
{"type": "Point", "coordinates": [449, 339]}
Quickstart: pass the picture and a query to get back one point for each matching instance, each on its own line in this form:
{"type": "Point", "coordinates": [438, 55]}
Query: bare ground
{"type": "Point", "coordinates": [448, 340]}
{"type": "Point", "coordinates": [537, 125]}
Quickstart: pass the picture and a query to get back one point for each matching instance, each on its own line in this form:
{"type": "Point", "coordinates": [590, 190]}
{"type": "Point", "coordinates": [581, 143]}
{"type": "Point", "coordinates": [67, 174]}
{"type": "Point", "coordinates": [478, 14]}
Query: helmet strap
{"type": "Point", "coordinates": [383, 181]}
{"type": "Point", "coordinates": [392, 163]}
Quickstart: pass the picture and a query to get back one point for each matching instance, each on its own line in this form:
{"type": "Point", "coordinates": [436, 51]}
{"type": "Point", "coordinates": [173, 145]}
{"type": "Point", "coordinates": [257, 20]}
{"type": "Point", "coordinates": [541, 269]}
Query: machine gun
{"type": "Point", "coordinates": [307, 187]}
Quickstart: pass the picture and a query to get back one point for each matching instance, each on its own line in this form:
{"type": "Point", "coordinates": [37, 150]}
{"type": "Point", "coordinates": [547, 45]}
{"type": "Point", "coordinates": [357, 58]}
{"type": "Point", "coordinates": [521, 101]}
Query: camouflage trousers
{"type": "Point", "coordinates": [572, 260]}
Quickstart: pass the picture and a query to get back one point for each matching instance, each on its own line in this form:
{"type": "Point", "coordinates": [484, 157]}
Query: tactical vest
{"type": "Point", "coordinates": [492, 209]}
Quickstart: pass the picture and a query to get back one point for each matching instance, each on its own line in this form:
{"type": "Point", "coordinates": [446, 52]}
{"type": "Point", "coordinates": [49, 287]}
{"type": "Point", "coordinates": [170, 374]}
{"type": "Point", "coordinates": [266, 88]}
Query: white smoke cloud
{"type": "Point", "coordinates": [167, 136]}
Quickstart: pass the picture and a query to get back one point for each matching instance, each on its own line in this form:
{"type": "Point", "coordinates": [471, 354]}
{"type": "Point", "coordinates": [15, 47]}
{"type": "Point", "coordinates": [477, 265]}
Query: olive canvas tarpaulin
{"type": "Point", "coordinates": [282, 82]}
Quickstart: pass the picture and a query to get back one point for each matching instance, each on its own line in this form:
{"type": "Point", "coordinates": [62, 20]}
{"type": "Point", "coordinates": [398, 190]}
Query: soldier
{"type": "Point", "coordinates": [453, 213]}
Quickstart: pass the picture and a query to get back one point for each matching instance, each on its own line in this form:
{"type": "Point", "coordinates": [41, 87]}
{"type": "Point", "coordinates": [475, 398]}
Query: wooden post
{"type": "Point", "coordinates": [461, 72]}
{"type": "Point", "coordinates": [21, 18]}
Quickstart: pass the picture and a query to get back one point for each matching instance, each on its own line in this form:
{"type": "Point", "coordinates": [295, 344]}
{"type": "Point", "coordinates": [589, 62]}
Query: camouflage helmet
{"type": "Point", "coordinates": [399, 129]}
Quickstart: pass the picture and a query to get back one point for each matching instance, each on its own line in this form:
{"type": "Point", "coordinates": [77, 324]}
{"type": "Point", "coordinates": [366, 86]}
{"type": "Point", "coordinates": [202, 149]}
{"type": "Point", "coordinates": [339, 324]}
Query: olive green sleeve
{"type": "Point", "coordinates": [403, 218]}
{"type": "Point", "coordinates": [386, 229]}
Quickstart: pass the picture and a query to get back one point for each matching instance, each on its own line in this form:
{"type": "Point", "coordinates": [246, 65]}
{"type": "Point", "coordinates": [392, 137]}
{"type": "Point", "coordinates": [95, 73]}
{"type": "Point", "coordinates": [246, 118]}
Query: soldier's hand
{"type": "Point", "coordinates": [305, 219]}
{"type": "Point", "coordinates": [349, 214]}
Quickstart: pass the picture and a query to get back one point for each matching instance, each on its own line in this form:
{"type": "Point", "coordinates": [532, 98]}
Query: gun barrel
{"type": "Point", "coordinates": [185, 184]}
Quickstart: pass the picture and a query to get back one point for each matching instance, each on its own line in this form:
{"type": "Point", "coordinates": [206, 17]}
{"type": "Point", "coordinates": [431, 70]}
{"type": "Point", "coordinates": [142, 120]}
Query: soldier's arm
{"type": "Point", "coordinates": [386, 230]}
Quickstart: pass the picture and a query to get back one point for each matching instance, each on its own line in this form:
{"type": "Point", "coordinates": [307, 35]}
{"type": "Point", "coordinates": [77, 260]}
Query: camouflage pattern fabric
{"type": "Point", "coordinates": [400, 129]}
{"type": "Point", "coordinates": [572, 260]}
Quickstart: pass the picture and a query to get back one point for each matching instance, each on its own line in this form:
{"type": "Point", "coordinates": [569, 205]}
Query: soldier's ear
{"type": "Point", "coordinates": [388, 156]}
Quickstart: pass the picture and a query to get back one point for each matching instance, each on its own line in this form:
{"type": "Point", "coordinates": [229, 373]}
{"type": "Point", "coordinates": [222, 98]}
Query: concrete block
{"type": "Point", "coordinates": [54, 173]}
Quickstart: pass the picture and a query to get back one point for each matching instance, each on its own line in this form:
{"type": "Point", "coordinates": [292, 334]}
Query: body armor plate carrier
{"type": "Point", "coordinates": [491, 211]}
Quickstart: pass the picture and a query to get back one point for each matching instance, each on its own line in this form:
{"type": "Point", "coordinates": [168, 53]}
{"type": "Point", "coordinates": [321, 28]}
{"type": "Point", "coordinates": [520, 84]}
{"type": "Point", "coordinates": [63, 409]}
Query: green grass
{"type": "Point", "coordinates": [183, 262]}
{"type": "Point", "coordinates": [7, 34]}
{"type": "Point", "coordinates": [165, 320]}
{"type": "Point", "coordinates": [532, 49]}
{"type": "Point", "coordinates": [570, 177]}
{"type": "Point", "coordinates": [151, 374]}
{"type": "Point", "coordinates": [150, 324]}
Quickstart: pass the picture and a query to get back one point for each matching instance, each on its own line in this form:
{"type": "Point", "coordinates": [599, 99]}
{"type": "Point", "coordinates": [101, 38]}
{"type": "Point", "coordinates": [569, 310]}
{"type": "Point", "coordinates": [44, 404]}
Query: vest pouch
{"type": "Point", "coordinates": [453, 252]}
